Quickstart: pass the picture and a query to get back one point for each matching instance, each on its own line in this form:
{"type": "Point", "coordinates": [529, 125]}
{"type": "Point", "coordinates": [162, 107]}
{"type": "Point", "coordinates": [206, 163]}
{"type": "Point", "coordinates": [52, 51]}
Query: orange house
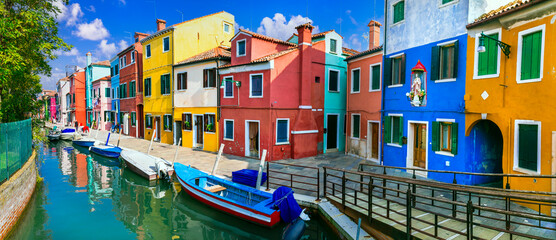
{"type": "Point", "coordinates": [510, 93]}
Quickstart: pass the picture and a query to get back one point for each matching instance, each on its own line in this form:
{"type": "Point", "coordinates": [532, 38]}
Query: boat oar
{"type": "Point", "coordinates": [217, 159]}
{"type": "Point", "coordinates": [176, 154]}
{"type": "Point", "coordinates": [119, 135]}
{"type": "Point", "coordinates": [261, 167]}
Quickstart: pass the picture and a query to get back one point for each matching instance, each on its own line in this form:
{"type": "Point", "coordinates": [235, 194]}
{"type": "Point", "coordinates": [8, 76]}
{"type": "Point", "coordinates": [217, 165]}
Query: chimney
{"type": "Point", "coordinates": [374, 34]}
{"type": "Point", "coordinates": [139, 36]}
{"type": "Point", "coordinates": [89, 58]}
{"type": "Point", "coordinates": [160, 24]}
{"type": "Point", "coordinates": [304, 34]}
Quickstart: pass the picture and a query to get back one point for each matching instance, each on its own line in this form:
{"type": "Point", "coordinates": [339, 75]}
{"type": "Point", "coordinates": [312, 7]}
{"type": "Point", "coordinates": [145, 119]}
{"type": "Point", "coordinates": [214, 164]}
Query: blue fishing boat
{"type": "Point", "coordinates": [106, 151]}
{"type": "Point", "coordinates": [84, 142]}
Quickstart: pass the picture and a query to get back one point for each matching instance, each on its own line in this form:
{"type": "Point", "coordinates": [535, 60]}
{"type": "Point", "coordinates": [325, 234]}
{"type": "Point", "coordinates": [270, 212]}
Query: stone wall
{"type": "Point", "coordinates": [15, 193]}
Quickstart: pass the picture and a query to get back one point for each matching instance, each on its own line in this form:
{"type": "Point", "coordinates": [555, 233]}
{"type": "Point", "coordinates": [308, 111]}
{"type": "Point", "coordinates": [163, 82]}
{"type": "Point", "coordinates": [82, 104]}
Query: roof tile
{"type": "Point", "coordinates": [218, 52]}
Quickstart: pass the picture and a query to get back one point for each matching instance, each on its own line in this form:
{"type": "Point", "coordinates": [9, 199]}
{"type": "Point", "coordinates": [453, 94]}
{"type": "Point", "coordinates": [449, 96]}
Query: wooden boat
{"type": "Point", "coordinates": [106, 151]}
{"type": "Point", "coordinates": [238, 200]}
{"type": "Point", "coordinates": [147, 166]}
{"type": "Point", "coordinates": [53, 136]}
{"type": "Point", "coordinates": [84, 142]}
{"type": "Point", "coordinates": [67, 134]}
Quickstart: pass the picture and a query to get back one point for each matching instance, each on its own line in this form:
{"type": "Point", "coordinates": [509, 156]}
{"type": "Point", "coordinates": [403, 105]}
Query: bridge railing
{"type": "Point", "coordinates": [15, 147]}
{"type": "Point", "coordinates": [302, 179]}
{"type": "Point", "coordinates": [423, 208]}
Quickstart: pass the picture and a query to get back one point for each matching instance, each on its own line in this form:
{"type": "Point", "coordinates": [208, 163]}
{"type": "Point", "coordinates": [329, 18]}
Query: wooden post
{"type": "Point", "coordinates": [217, 159]}
{"type": "Point", "coordinates": [152, 139]}
{"type": "Point", "coordinates": [176, 154]}
{"type": "Point", "coordinates": [98, 130]}
{"type": "Point", "coordinates": [119, 136]}
{"type": "Point", "coordinates": [261, 168]}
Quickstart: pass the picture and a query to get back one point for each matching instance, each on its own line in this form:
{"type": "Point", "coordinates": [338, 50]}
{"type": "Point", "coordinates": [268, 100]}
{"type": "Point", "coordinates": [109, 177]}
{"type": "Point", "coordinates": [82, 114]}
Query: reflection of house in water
{"type": "Point", "coordinates": [81, 178]}
{"type": "Point", "coordinates": [102, 180]}
{"type": "Point", "coordinates": [65, 161]}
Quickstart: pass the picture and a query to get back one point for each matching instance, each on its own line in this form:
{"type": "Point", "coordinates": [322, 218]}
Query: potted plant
{"type": "Point", "coordinates": [210, 127]}
{"type": "Point", "coordinates": [187, 125]}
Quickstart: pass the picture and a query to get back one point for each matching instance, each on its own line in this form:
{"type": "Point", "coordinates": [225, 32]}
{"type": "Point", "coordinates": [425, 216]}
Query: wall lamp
{"type": "Point", "coordinates": [238, 83]}
{"type": "Point", "coordinates": [505, 47]}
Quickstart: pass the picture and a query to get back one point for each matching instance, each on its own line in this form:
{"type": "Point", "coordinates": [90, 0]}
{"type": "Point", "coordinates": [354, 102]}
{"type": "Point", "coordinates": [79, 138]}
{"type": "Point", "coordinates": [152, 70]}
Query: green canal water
{"type": "Point", "coordinates": [85, 196]}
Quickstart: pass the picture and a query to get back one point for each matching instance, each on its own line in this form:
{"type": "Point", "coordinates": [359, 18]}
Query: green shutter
{"type": "Point", "coordinates": [356, 125]}
{"type": "Point", "coordinates": [435, 63]}
{"type": "Point", "coordinates": [454, 138]}
{"type": "Point", "coordinates": [400, 119]}
{"type": "Point", "coordinates": [387, 76]}
{"type": "Point", "coordinates": [455, 60]}
{"type": "Point", "coordinates": [402, 70]}
{"type": "Point", "coordinates": [435, 136]}
{"type": "Point", "coordinates": [531, 55]}
{"type": "Point", "coordinates": [528, 146]}
{"type": "Point", "coordinates": [387, 129]}
{"type": "Point", "coordinates": [356, 80]}
{"type": "Point", "coordinates": [376, 78]}
{"type": "Point", "coordinates": [161, 84]}
{"type": "Point", "coordinates": [488, 60]}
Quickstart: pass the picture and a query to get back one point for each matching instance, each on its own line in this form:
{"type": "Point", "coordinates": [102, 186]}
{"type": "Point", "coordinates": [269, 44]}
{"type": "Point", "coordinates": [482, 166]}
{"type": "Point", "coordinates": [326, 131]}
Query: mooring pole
{"type": "Point", "coordinates": [152, 139]}
{"type": "Point", "coordinates": [261, 168]}
{"type": "Point", "coordinates": [119, 136]}
{"type": "Point", "coordinates": [176, 154]}
{"type": "Point", "coordinates": [217, 159]}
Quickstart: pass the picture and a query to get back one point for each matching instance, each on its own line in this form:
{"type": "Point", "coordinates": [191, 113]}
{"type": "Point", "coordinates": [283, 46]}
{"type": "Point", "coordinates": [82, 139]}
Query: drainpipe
{"type": "Point", "coordinates": [217, 92]}
{"type": "Point", "coordinates": [172, 93]}
{"type": "Point", "coordinates": [383, 82]}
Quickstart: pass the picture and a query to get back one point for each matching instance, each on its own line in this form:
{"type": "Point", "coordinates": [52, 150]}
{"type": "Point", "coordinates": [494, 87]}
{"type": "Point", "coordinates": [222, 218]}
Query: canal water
{"type": "Point", "coordinates": [85, 196]}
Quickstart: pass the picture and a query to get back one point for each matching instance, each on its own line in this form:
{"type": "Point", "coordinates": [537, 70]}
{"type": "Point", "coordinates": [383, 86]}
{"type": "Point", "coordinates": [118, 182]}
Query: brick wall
{"type": "Point", "coordinates": [15, 193]}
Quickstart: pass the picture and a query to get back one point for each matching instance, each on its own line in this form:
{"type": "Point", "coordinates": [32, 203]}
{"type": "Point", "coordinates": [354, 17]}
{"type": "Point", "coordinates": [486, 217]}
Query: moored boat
{"type": "Point", "coordinates": [147, 166]}
{"type": "Point", "coordinates": [53, 136]}
{"type": "Point", "coordinates": [84, 142]}
{"type": "Point", "coordinates": [67, 134]}
{"type": "Point", "coordinates": [238, 200]}
{"type": "Point", "coordinates": [106, 151]}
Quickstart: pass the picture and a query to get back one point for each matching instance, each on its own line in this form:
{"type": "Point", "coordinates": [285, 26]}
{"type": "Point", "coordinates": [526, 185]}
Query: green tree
{"type": "Point", "coordinates": [28, 41]}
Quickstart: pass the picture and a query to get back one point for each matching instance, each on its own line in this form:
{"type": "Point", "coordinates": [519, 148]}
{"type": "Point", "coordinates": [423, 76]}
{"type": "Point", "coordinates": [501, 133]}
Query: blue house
{"type": "Point", "coordinates": [93, 71]}
{"type": "Point", "coordinates": [115, 87]}
{"type": "Point", "coordinates": [424, 87]}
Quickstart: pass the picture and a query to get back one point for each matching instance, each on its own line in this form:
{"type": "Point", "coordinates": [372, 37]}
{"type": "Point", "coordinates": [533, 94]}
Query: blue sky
{"type": "Point", "coordinates": [104, 27]}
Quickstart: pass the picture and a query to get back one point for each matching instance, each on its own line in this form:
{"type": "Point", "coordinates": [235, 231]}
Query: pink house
{"type": "Point", "coordinates": [101, 103]}
{"type": "Point", "coordinates": [53, 107]}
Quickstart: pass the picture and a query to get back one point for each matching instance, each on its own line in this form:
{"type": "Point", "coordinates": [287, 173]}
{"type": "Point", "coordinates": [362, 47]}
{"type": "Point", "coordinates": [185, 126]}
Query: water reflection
{"type": "Point", "coordinates": [86, 196]}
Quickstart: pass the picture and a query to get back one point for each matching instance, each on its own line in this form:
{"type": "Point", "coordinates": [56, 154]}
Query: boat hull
{"type": "Point", "coordinates": [53, 137]}
{"type": "Point", "coordinates": [105, 152]}
{"type": "Point", "coordinates": [84, 143]}
{"type": "Point", "coordinates": [66, 136]}
{"type": "Point", "coordinates": [231, 208]}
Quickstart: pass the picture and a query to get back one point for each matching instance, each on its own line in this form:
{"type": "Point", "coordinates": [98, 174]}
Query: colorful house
{"type": "Point", "coordinates": [77, 101]}
{"type": "Point", "coordinates": [165, 48]}
{"type": "Point", "coordinates": [62, 90]}
{"type": "Point", "coordinates": [101, 103]}
{"type": "Point", "coordinates": [424, 86]}
{"type": "Point", "coordinates": [270, 94]}
{"type": "Point", "coordinates": [196, 96]}
{"type": "Point", "coordinates": [510, 92]}
{"type": "Point", "coordinates": [94, 70]}
{"type": "Point", "coordinates": [114, 117]}
{"type": "Point", "coordinates": [364, 99]}
{"type": "Point", "coordinates": [131, 88]}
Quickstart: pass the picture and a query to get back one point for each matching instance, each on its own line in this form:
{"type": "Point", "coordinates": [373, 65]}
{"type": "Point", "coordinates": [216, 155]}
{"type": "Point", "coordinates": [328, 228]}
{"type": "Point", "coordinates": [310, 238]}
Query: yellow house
{"type": "Point", "coordinates": [510, 92]}
{"type": "Point", "coordinates": [161, 51]}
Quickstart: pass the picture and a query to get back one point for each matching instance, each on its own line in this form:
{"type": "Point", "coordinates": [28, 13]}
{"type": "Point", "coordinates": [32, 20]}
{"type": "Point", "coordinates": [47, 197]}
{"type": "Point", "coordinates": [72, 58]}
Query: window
{"type": "Point", "coordinates": [148, 121]}
{"type": "Point", "coordinates": [374, 80]}
{"type": "Point", "coordinates": [228, 129]}
{"type": "Point", "coordinates": [486, 63]}
{"type": "Point", "coordinates": [446, 1]}
{"type": "Point", "coordinates": [393, 128]}
{"type": "Point", "coordinates": [133, 56]}
{"type": "Point", "coordinates": [399, 11]}
{"type": "Point", "coordinates": [530, 55]}
{"type": "Point", "coordinates": [74, 97]}
{"type": "Point", "coordinates": [317, 79]}
{"type": "Point", "coordinates": [147, 87]}
{"type": "Point", "coordinates": [123, 90]}
{"type": "Point", "coordinates": [165, 84]}
{"type": "Point", "coordinates": [187, 122]}
{"type": "Point", "coordinates": [444, 61]}
{"type": "Point", "coordinates": [107, 116]}
{"type": "Point", "coordinates": [133, 118]}
{"type": "Point", "coordinates": [355, 125]}
{"type": "Point", "coordinates": [226, 28]}
{"type": "Point", "coordinates": [395, 70]}
{"type": "Point", "coordinates": [445, 136]}
{"type": "Point", "coordinates": [148, 51]}
{"type": "Point", "coordinates": [113, 96]}
{"type": "Point", "coordinates": [256, 86]}
{"type": "Point", "coordinates": [282, 131]}
{"type": "Point", "coordinates": [111, 71]}
{"type": "Point", "coordinates": [132, 88]}
{"type": "Point", "coordinates": [123, 61]}
{"type": "Point", "coordinates": [355, 80]}
{"type": "Point", "coordinates": [333, 81]}
{"type": "Point", "coordinates": [167, 122]}
{"type": "Point", "coordinates": [333, 45]}
{"type": "Point", "coordinates": [166, 44]}
{"type": "Point", "coordinates": [527, 146]}
{"type": "Point", "coordinates": [210, 124]}
{"type": "Point", "coordinates": [182, 81]}
{"type": "Point", "coordinates": [209, 78]}
{"type": "Point", "coordinates": [116, 69]}
{"type": "Point", "coordinates": [228, 87]}
{"type": "Point", "coordinates": [240, 45]}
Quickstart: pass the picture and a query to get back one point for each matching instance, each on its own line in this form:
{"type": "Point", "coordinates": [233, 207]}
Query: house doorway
{"type": "Point", "coordinates": [373, 140]}
{"type": "Point", "coordinates": [332, 131]}
{"type": "Point", "coordinates": [157, 128]}
{"type": "Point", "coordinates": [177, 132]}
{"type": "Point", "coordinates": [252, 143]}
{"type": "Point", "coordinates": [486, 149]}
{"type": "Point", "coordinates": [198, 131]}
{"type": "Point", "coordinates": [417, 146]}
{"type": "Point", "coordinates": [126, 123]}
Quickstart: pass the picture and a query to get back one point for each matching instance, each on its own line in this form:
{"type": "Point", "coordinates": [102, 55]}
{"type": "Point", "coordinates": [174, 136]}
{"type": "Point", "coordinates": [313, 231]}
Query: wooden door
{"type": "Point", "coordinates": [332, 132]}
{"type": "Point", "coordinates": [253, 139]}
{"type": "Point", "coordinates": [374, 140]}
{"type": "Point", "coordinates": [420, 146]}
{"type": "Point", "coordinates": [157, 126]}
{"type": "Point", "coordinates": [199, 129]}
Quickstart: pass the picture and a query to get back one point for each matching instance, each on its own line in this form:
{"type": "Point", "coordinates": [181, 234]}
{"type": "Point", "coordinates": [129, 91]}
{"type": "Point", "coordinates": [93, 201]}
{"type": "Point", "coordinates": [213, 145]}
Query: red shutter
{"type": "Point", "coordinates": [184, 80]}
{"type": "Point", "coordinates": [205, 79]}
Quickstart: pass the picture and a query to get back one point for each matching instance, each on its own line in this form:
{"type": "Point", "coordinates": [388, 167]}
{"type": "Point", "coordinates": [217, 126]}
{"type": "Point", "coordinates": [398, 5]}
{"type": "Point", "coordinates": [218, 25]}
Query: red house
{"type": "Point", "coordinates": [77, 99]}
{"type": "Point", "coordinates": [270, 93]}
{"type": "Point", "coordinates": [131, 75]}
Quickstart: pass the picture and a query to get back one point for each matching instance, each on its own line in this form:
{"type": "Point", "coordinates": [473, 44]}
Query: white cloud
{"type": "Point", "coordinates": [348, 12]}
{"type": "Point", "coordinates": [72, 52]}
{"type": "Point", "coordinates": [122, 2]}
{"type": "Point", "coordinates": [94, 30]}
{"type": "Point", "coordinates": [91, 8]}
{"type": "Point", "coordinates": [354, 42]}
{"type": "Point", "coordinates": [107, 49]}
{"type": "Point", "coordinates": [50, 82]}
{"type": "Point", "coordinates": [70, 13]}
{"type": "Point", "coordinates": [122, 44]}
{"type": "Point", "coordinates": [279, 27]}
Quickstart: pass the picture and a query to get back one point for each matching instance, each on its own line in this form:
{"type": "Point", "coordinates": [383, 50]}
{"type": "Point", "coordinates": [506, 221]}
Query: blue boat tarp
{"type": "Point", "coordinates": [284, 200]}
{"type": "Point", "coordinates": [247, 177]}
{"type": "Point", "coordinates": [68, 130]}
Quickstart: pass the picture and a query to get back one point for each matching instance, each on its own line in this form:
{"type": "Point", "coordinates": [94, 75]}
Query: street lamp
{"type": "Point", "coordinates": [503, 46]}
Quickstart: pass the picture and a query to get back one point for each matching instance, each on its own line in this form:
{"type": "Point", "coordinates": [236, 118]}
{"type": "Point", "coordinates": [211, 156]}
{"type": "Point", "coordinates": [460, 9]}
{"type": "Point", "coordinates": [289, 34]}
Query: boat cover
{"type": "Point", "coordinates": [247, 177]}
{"type": "Point", "coordinates": [284, 200]}
{"type": "Point", "coordinates": [68, 130]}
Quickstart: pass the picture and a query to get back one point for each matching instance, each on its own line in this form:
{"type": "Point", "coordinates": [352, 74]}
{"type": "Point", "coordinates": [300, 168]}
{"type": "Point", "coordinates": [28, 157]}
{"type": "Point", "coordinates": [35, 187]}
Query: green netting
{"type": "Point", "coordinates": [15, 146]}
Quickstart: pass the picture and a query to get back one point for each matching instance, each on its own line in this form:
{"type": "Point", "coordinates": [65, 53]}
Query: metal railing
{"type": "Point", "coordinates": [420, 208]}
{"type": "Point", "coordinates": [15, 147]}
{"type": "Point", "coordinates": [291, 177]}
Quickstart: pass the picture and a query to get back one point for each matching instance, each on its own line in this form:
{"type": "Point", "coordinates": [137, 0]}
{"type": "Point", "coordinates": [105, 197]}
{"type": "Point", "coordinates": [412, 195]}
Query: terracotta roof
{"type": "Point", "coordinates": [503, 10]}
{"type": "Point", "coordinates": [266, 58]}
{"type": "Point", "coordinates": [266, 38]}
{"type": "Point", "coordinates": [218, 52]}
{"type": "Point", "coordinates": [349, 51]}
{"type": "Point", "coordinates": [364, 53]}
{"type": "Point", "coordinates": [106, 78]}
{"type": "Point", "coordinates": [102, 63]}
{"type": "Point", "coordinates": [316, 35]}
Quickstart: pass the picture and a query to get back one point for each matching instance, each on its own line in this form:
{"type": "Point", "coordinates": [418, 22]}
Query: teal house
{"type": "Point", "coordinates": [93, 71]}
